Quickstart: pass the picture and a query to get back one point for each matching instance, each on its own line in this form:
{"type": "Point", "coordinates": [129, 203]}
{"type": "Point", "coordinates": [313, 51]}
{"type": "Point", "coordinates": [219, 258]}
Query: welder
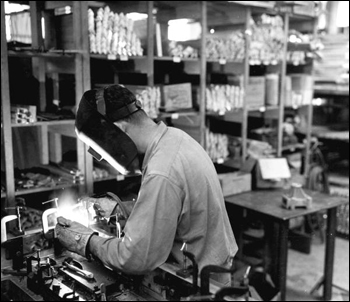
{"type": "Point", "coordinates": [180, 198]}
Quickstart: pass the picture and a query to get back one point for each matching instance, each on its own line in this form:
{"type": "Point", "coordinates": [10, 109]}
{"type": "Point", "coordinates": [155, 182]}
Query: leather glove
{"type": "Point", "coordinates": [111, 205]}
{"type": "Point", "coordinates": [73, 235]}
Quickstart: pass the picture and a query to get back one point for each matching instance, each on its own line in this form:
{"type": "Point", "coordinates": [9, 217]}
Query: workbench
{"type": "Point", "coordinates": [268, 204]}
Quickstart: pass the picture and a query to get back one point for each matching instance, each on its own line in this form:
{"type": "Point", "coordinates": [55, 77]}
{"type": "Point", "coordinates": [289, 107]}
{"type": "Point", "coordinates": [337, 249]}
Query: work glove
{"type": "Point", "coordinates": [111, 205]}
{"type": "Point", "coordinates": [73, 235]}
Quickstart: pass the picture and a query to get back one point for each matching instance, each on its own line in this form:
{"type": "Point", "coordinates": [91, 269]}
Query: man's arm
{"type": "Point", "coordinates": [149, 231]}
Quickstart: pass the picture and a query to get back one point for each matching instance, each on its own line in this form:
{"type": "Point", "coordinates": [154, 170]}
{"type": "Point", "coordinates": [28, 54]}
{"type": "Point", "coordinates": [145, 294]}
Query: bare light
{"type": "Point", "coordinates": [137, 16]}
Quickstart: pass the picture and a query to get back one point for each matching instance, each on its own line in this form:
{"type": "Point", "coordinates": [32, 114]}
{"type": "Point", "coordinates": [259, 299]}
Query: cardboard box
{"type": "Point", "coordinates": [272, 90]}
{"type": "Point", "coordinates": [307, 9]}
{"type": "Point", "coordinates": [235, 183]}
{"type": "Point", "coordinates": [178, 96]}
{"type": "Point", "coordinates": [255, 94]}
{"type": "Point", "coordinates": [301, 82]}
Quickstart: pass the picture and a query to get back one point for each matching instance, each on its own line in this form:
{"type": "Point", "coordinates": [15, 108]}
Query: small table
{"type": "Point", "coordinates": [269, 204]}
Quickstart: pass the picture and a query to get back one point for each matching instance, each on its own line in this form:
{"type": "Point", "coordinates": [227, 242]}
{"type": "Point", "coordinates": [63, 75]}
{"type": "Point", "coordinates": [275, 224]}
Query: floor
{"type": "Point", "coordinates": [305, 270]}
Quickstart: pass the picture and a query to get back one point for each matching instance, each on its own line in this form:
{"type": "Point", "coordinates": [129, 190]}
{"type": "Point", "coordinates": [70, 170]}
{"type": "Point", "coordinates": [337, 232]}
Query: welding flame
{"type": "Point", "coordinates": [71, 208]}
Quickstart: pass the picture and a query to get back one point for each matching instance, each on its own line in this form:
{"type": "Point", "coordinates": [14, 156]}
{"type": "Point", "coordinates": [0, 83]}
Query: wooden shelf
{"type": "Point", "coordinates": [225, 61]}
{"type": "Point", "coordinates": [260, 4]}
{"type": "Point", "coordinates": [174, 59]}
{"type": "Point", "coordinates": [230, 116]}
{"type": "Point", "coordinates": [299, 46]}
{"type": "Point", "coordinates": [117, 178]}
{"type": "Point", "coordinates": [263, 109]}
{"type": "Point", "coordinates": [79, 65]}
{"type": "Point", "coordinates": [117, 58]}
{"type": "Point", "coordinates": [44, 189]}
{"type": "Point", "coordinates": [31, 54]}
{"type": "Point", "coordinates": [176, 115]}
{"type": "Point", "coordinates": [292, 148]}
{"type": "Point", "coordinates": [331, 89]}
{"type": "Point", "coordinates": [47, 123]}
{"type": "Point", "coordinates": [111, 177]}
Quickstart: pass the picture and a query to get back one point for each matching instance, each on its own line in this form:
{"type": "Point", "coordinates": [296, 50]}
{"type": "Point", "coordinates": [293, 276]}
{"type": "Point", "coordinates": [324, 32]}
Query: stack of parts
{"type": "Point", "coordinates": [112, 33]}
{"type": "Point", "coordinates": [181, 51]}
{"type": "Point", "coordinates": [258, 149]}
{"type": "Point", "coordinates": [224, 98]}
{"type": "Point", "coordinates": [299, 90]}
{"type": "Point", "coordinates": [38, 178]}
{"type": "Point", "coordinates": [267, 40]}
{"type": "Point", "coordinates": [68, 172]}
{"type": "Point", "coordinates": [32, 219]}
{"type": "Point", "coordinates": [300, 57]}
{"type": "Point", "coordinates": [150, 97]}
{"type": "Point", "coordinates": [217, 146]}
{"type": "Point", "coordinates": [23, 114]}
{"type": "Point", "coordinates": [334, 63]}
{"type": "Point", "coordinates": [231, 49]}
{"type": "Point", "coordinates": [296, 57]}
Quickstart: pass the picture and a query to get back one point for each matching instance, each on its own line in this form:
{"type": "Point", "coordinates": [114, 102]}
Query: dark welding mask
{"type": "Point", "coordinates": [96, 128]}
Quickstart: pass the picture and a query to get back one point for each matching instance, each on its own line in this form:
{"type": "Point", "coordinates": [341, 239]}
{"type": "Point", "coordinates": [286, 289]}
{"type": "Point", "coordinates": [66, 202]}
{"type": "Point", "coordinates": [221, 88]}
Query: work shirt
{"type": "Point", "coordinates": [180, 200]}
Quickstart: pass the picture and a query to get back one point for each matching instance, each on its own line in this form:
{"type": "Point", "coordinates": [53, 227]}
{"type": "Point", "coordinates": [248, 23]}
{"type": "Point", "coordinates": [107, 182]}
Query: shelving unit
{"type": "Point", "coordinates": [46, 123]}
{"type": "Point", "coordinates": [43, 63]}
{"type": "Point", "coordinates": [78, 60]}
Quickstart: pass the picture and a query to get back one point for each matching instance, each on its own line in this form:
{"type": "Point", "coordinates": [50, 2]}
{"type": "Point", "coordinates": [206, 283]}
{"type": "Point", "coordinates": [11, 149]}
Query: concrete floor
{"type": "Point", "coordinates": [305, 270]}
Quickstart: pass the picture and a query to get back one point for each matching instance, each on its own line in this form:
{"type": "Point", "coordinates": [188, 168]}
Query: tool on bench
{"type": "Point", "coordinates": [76, 267]}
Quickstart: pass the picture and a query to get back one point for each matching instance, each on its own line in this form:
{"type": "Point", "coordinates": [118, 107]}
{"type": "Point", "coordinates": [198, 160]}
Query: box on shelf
{"type": "Point", "coordinates": [299, 89]}
{"type": "Point", "coordinates": [178, 96]}
{"type": "Point", "coordinates": [272, 89]}
{"type": "Point", "coordinates": [301, 82]}
{"type": "Point", "coordinates": [150, 98]}
{"type": "Point", "coordinates": [255, 95]}
{"type": "Point", "coordinates": [235, 182]}
{"type": "Point", "coordinates": [23, 114]}
{"type": "Point", "coordinates": [307, 9]}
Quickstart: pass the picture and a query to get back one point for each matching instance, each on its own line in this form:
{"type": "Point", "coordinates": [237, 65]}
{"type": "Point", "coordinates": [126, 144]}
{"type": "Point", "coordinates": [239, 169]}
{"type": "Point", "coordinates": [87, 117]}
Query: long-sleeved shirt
{"type": "Point", "coordinates": [180, 200]}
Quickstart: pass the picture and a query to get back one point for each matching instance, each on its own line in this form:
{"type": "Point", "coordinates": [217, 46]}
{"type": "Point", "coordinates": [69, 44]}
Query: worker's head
{"type": "Point", "coordinates": [103, 120]}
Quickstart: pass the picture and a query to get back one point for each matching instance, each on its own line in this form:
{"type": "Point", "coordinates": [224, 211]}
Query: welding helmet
{"type": "Point", "coordinates": [97, 113]}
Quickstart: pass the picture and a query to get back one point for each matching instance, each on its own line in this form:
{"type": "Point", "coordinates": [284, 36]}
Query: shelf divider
{"type": "Point", "coordinates": [6, 115]}
{"type": "Point", "coordinates": [283, 89]}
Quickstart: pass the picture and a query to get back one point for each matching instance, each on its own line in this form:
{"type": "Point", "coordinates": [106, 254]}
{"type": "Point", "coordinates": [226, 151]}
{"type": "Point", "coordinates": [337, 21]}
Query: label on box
{"type": "Point", "coordinates": [124, 58]}
{"type": "Point", "coordinates": [176, 59]}
{"type": "Point", "coordinates": [120, 177]}
{"type": "Point", "coordinates": [222, 61]}
{"type": "Point", "coordinates": [175, 116]}
{"type": "Point", "coordinates": [111, 56]}
{"type": "Point", "coordinates": [220, 161]}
